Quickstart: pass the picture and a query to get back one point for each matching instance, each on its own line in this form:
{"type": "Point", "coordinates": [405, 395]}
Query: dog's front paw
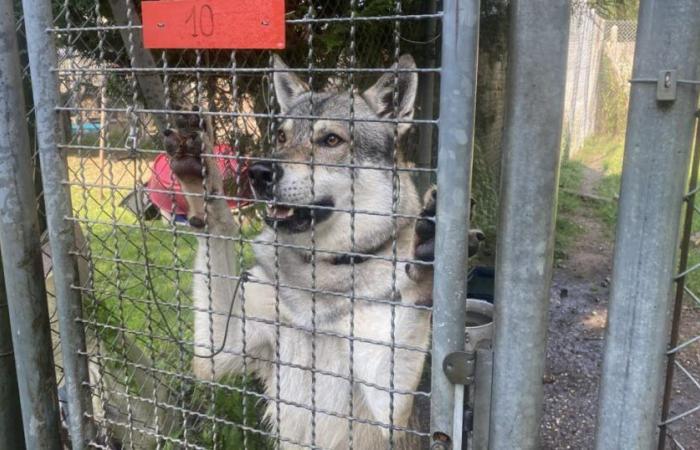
{"type": "Point", "coordinates": [185, 145]}
{"type": "Point", "coordinates": [424, 240]}
{"type": "Point", "coordinates": [185, 150]}
{"type": "Point", "coordinates": [424, 250]}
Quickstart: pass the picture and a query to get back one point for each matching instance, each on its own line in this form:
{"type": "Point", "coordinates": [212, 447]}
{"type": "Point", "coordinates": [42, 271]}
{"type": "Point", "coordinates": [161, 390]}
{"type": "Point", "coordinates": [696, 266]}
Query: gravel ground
{"type": "Point", "coordinates": [578, 310]}
{"type": "Point", "coordinates": [577, 315]}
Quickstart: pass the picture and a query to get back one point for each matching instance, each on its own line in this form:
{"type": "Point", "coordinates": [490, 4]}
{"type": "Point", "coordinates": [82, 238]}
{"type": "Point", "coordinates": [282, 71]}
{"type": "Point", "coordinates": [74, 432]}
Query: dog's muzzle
{"type": "Point", "coordinates": [290, 218]}
{"type": "Point", "coordinates": [263, 177]}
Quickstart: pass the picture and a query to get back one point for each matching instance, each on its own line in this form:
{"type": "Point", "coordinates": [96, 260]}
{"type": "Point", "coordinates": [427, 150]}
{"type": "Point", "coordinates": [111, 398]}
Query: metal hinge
{"type": "Point", "coordinates": [459, 367]}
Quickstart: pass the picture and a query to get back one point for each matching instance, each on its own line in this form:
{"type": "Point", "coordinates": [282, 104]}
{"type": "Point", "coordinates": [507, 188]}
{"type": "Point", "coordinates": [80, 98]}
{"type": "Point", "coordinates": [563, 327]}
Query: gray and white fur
{"type": "Point", "coordinates": [323, 340]}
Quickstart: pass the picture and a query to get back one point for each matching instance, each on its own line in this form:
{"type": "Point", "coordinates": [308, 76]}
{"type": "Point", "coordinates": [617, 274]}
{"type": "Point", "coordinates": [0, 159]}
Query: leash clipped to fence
{"type": "Point", "coordinates": [242, 278]}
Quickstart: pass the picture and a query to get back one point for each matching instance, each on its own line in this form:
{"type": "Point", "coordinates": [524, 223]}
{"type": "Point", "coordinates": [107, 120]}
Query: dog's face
{"type": "Point", "coordinates": [298, 189]}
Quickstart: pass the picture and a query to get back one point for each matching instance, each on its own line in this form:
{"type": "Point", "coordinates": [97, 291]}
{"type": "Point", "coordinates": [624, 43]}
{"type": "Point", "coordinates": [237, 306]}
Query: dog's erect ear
{"type": "Point", "coordinates": [287, 85]}
{"type": "Point", "coordinates": [381, 95]}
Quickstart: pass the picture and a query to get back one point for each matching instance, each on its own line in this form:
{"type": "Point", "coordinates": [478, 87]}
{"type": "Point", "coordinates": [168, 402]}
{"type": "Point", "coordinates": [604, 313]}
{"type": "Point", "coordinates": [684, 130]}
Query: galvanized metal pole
{"type": "Point", "coordinates": [21, 250]}
{"type": "Point", "coordinates": [657, 153]}
{"type": "Point", "coordinates": [530, 172]}
{"type": "Point", "coordinates": [43, 59]}
{"type": "Point", "coordinates": [483, 380]}
{"type": "Point", "coordinates": [460, 31]}
{"type": "Point", "coordinates": [426, 103]}
{"type": "Point", "coordinates": [11, 431]}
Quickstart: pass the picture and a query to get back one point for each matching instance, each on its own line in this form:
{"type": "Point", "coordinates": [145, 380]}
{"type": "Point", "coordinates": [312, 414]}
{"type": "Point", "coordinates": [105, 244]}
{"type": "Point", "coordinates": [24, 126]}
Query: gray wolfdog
{"type": "Point", "coordinates": [333, 338]}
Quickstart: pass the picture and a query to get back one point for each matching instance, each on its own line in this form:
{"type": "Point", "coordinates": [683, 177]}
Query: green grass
{"type": "Point", "coordinates": [570, 177]}
{"type": "Point", "coordinates": [124, 310]}
{"type": "Point", "coordinates": [605, 154]}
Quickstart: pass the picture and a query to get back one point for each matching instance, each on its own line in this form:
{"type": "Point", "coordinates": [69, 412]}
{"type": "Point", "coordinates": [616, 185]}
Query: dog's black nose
{"type": "Point", "coordinates": [263, 176]}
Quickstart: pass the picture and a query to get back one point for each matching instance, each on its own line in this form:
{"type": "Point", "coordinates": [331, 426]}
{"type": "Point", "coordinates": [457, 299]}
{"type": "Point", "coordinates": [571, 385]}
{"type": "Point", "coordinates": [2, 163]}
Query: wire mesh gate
{"type": "Point", "coordinates": [682, 373]}
{"type": "Point", "coordinates": [336, 364]}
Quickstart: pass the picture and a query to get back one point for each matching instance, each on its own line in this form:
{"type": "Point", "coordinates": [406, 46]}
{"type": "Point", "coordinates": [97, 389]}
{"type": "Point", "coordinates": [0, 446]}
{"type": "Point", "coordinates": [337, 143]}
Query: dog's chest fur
{"type": "Point", "coordinates": [323, 308]}
{"type": "Point", "coordinates": [315, 290]}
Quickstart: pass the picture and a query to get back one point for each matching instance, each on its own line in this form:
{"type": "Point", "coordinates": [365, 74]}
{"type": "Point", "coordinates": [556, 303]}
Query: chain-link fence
{"type": "Point", "coordinates": [599, 66]}
{"type": "Point", "coordinates": [681, 404]}
{"type": "Point", "coordinates": [310, 353]}
{"type": "Point", "coordinates": [599, 70]}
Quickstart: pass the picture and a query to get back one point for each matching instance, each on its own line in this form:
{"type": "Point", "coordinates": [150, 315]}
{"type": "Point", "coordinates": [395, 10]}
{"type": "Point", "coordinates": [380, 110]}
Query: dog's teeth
{"type": "Point", "coordinates": [279, 212]}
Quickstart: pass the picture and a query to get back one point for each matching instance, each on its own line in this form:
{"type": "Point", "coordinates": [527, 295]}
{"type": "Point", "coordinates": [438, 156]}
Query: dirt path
{"type": "Point", "coordinates": [578, 309]}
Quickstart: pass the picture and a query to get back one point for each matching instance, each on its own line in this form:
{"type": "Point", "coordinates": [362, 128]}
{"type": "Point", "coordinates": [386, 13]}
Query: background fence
{"type": "Point", "coordinates": [599, 70]}
{"type": "Point", "coordinates": [599, 65]}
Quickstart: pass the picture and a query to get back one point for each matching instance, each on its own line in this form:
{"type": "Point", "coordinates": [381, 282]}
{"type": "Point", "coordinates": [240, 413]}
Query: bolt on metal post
{"type": "Point", "coordinates": [657, 153]}
{"type": "Point", "coordinates": [460, 31]}
{"type": "Point", "coordinates": [524, 255]}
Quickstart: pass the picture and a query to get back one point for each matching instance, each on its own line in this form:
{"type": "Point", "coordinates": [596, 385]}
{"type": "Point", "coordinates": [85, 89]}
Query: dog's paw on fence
{"type": "Point", "coordinates": [187, 147]}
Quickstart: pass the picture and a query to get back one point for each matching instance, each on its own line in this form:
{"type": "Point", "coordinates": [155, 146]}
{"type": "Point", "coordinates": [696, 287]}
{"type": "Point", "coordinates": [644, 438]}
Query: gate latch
{"type": "Point", "coordinates": [666, 85]}
{"type": "Point", "coordinates": [459, 367]}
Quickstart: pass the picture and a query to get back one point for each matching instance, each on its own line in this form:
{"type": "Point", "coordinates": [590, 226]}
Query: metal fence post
{"type": "Point", "coordinates": [21, 249]}
{"type": "Point", "coordinates": [11, 431]}
{"type": "Point", "coordinates": [657, 150]}
{"type": "Point", "coordinates": [460, 31]}
{"type": "Point", "coordinates": [426, 104]}
{"type": "Point", "coordinates": [43, 59]}
{"type": "Point", "coordinates": [532, 142]}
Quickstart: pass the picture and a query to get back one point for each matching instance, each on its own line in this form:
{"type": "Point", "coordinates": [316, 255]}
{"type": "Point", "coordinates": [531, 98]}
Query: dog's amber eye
{"type": "Point", "coordinates": [332, 140]}
{"type": "Point", "coordinates": [281, 136]}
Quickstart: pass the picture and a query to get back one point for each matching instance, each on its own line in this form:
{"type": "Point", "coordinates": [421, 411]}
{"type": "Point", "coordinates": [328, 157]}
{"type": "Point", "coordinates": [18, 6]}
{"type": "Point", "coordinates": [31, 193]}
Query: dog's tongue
{"type": "Point", "coordinates": [279, 212]}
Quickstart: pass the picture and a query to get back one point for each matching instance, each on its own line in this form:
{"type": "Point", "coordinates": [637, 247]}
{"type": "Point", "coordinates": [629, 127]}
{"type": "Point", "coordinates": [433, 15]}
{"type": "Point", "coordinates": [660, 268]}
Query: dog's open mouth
{"type": "Point", "coordinates": [298, 218]}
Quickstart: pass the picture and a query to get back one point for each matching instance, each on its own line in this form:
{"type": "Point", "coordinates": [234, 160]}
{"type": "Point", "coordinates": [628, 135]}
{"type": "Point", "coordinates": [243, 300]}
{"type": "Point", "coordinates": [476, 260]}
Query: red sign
{"type": "Point", "coordinates": [234, 24]}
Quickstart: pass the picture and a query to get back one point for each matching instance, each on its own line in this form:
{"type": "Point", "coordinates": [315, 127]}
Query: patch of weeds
{"type": "Point", "coordinates": [149, 305]}
{"type": "Point", "coordinates": [609, 187]}
{"type": "Point", "coordinates": [605, 153]}
{"type": "Point", "coordinates": [570, 178]}
{"type": "Point", "coordinates": [692, 280]}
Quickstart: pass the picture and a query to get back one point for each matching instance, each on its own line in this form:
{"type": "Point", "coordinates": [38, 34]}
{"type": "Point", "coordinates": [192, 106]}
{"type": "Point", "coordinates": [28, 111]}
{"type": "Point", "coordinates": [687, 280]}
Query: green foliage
{"type": "Point", "coordinates": [617, 9]}
{"type": "Point", "coordinates": [329, 42]}
{"type": "Point", "coordinates": [121, 299]}
{"type": "Point", "coordinates": [570, 178]}
{"type": "Point", "coordinates": [484, 191]}
{"type": "Point", "coordinates": [609, 187]}
{"type": "Point", "coordinates": [605, 153]}
{"type": "Point", "coordinates": [613, 98]}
